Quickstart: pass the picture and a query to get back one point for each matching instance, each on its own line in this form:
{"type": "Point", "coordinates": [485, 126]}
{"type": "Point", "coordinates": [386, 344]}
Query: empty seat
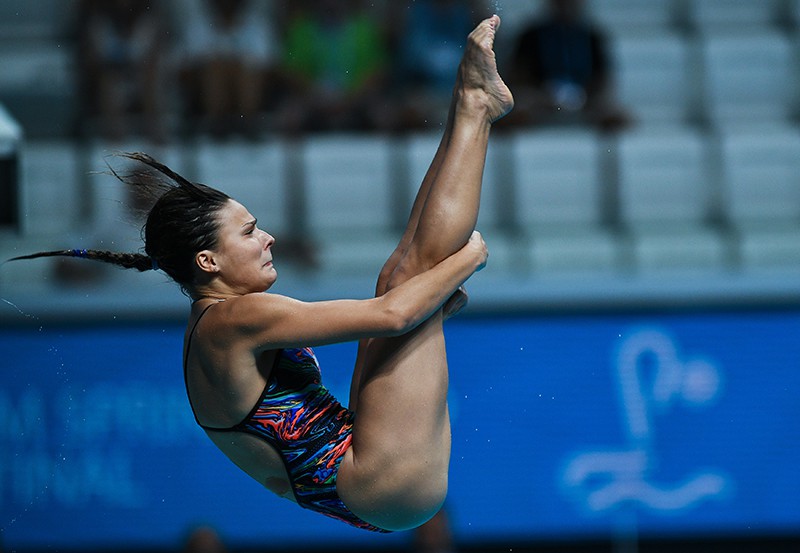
{"type": "Point", "coordinates": [36, 65]}
{"type": "Point", "coordinates": [663, 178]}
{"type": "Point", "coordinates": [761, 176]}
{"type": "Point", "coordinates": [51, 188]}
{"type": "Point", "coordinates": [709, 15]}
{"type": "Point", "coordinates": [347, 182]}
{"type": "Point", "coordinates": [560, 198]}
{"type": "Point", "coordinates": [347, 187]}
{"type": "Point", "coordinates": [770, 247]}
{"type": "Point", "coordinates": [665, 200]}
{"type": "Point", "coordinates": [747, 77]}
{"type": "Point", "coordinates": [681, 249]}
{"type": "Point", "coordinates": [254, 174]}
{"type": "Point", "coordinates": [653, 76]}
{"type": "Point", "coordinates": [619, 16]}
{"type": "Point", "coordinates": [558, 178]}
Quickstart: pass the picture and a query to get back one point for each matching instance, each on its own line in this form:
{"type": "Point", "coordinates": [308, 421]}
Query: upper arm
{"type": "Point", "coordinates": [269, 321]}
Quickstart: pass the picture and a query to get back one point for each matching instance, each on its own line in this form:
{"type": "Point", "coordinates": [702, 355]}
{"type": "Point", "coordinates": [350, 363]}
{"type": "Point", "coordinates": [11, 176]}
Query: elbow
{"type": "Point", "coordinates": [400, 319]}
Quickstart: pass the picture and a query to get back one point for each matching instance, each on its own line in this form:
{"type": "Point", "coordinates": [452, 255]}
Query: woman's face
{"type": "Point", "coordinates": [243, 256]}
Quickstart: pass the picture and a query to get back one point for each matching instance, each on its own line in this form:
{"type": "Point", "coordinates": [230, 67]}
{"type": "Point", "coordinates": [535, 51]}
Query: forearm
{"type": "Point", "coordinates": [419, 297]}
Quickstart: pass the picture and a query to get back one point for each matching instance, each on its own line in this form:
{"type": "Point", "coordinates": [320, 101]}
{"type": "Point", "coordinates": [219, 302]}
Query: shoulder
{"type": "Point", "coordinates": [262, 321]}
{"type": "Point", "coordinates": [250, 310]}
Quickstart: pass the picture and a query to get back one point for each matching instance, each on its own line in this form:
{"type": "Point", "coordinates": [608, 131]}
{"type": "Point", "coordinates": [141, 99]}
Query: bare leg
{"type": "Point", "coordinates": [395, 473]}
{"type": "Point", "coordinates": [432, 174]}
{"type": "Point", "coordinates": [405, 241]}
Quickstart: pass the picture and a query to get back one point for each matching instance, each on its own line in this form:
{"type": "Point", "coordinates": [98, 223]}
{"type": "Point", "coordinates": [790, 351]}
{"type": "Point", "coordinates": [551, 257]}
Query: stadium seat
{"type": "Point", "coordinates": [559, 201]}
{"type": "Point", "coordinates": [653, 77]}
{"type": "Point", "coordinates": [51, 187]}
{"type": "Point", "coordinates": [348, 195]}
{"type": "Point", "coordinates": [761, 176]}
{"type": "Point", "coordinates": [665, 200]}
{"type": "Point", "coordinates": [747, 77]}
{"type": "Point", "coordinates": [623, 16]}
{"type": "Point", "coordinates": [761, 195]}
{"type": "Point", "coordinates": [712, 15]}
{"type": "Point", "coordinates": [253, 174]}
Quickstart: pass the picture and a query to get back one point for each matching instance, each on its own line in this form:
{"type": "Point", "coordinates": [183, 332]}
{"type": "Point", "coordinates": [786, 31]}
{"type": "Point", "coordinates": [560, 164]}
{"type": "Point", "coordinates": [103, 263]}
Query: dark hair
{"type": "Point", "coordinates": [181, 223]}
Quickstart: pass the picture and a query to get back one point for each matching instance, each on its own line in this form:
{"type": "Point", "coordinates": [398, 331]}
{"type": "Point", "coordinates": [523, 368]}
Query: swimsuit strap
{"type": "Point", "coordinates": [186, 360]}
{"type": "Point", "coordinates": [191, 333]}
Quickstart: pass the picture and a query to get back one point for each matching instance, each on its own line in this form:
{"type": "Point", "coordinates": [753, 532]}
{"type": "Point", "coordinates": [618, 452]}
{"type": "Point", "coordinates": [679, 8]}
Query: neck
{"type": "Point", "coordinates": [196, 299]}
{"type": "Point", "coordinates": [212, 291]}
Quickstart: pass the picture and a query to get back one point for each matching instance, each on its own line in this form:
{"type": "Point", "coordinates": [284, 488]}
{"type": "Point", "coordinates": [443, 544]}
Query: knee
{"type": "Point", "coordinates": [410, 265]}
{"type": "Point", "coordinates": [420, 508]}
{"type": "Point", "coordinates": [407, 511]}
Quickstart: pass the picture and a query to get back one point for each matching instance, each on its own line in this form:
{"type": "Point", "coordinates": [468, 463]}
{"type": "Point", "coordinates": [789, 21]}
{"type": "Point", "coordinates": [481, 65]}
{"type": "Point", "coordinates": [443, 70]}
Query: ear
{"type": "Point", "coordinates": [206, 261]}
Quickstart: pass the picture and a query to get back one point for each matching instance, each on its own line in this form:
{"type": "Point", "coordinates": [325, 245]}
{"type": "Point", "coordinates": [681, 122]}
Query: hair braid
{"type": "Point", "coordinates": [127, 260]}
{"type": "Point", "coordinates": [181, 222]}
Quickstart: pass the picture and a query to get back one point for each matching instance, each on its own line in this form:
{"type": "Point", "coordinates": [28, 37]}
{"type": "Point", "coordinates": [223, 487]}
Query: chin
{"type": "Point", "coordinates": [271, 280]}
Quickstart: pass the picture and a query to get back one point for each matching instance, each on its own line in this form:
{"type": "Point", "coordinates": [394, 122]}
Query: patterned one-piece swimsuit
{"type": "Point", "coordinates": [307, 426]}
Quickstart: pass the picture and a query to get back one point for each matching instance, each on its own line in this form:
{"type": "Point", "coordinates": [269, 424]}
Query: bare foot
{"type": "Point", "coordinates": [478, 71]}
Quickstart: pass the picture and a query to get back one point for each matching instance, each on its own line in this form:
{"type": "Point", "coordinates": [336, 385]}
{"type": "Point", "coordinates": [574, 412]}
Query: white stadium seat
{"type": "Point", "coordinates": [665, 200]}
{"type": "Point", "coordinates": [348, 194]}
{"type": "Point", "coordinates": [559, 201]}
{"type": "Point", "coordinates": [748, 77]}
{"type": "Point", "coordinates": [254, 174]}
{"type": "Point", "coordinates": [654, 77]}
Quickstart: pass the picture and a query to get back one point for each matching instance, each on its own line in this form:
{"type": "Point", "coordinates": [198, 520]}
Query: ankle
{"type": "Point", "coordinates": [472, 103]}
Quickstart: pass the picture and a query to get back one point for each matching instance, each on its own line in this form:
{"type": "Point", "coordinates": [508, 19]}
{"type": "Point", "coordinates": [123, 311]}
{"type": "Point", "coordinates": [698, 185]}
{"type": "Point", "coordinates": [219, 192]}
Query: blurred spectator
{"type": "Point", "coordinates": [121, 49]}
{"type": "Point", "coordinates": [230, 55]}
{"type": "Point", "coordinates": [428, 52]}
{"type": "Point", "coordinates": [561, 71]}
{"type": "Point", "coordinates": [336, 64]}
{"type": "Point", "coordinates": [204, 540]}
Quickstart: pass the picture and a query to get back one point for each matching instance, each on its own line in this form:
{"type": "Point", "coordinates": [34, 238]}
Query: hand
{"type": "Point", "coordinates": [478, 247]}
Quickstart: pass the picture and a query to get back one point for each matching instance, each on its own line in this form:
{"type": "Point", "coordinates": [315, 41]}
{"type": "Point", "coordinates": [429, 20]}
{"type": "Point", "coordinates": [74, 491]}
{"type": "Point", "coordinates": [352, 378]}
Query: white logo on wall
{"type": "Point", "coordinates": [604, 479]}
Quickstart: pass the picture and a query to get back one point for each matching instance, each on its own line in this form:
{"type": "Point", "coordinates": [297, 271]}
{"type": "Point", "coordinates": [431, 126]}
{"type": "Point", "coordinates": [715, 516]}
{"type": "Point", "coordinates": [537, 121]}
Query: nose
{"type": "Point", "coordinates": [269, 240]}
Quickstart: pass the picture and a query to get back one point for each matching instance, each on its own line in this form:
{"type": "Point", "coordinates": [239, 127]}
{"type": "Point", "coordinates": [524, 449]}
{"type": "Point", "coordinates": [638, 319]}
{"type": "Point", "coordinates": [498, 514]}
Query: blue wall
{"type": "Point", "coordinates": [664, 424]}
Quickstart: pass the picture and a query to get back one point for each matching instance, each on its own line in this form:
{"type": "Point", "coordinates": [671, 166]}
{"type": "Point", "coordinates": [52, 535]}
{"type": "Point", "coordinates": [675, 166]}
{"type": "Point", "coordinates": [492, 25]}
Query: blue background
{"type": "Point", "coordinates": [98, 446]}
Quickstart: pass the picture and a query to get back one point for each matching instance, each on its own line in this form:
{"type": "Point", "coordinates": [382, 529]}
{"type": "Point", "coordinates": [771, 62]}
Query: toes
{"type": "Point", "coordinates": [489, 28]}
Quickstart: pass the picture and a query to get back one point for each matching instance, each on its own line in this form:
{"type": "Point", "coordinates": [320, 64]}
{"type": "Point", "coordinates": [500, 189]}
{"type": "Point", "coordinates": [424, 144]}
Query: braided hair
{"type": "Point", "coordinates": [181, 223]}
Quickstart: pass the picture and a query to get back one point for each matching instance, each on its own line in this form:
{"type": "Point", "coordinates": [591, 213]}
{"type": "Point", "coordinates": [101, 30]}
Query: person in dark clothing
{"type": "Point", "coordinates": [562, 71]}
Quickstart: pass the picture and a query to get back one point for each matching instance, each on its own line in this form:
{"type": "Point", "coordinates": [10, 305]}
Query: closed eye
{"type": "Point", "coordinates": [251, 226]}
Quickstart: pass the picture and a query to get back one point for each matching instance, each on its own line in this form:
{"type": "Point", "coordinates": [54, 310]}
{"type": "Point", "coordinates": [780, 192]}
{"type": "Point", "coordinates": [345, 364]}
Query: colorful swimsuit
{"type": "Point", "coordinates": [307, 426]}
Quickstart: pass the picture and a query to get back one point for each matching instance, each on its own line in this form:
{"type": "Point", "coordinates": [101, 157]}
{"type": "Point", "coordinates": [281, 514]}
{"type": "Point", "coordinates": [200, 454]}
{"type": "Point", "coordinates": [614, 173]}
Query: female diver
{"type": "Point", "coordinates": [252, 380]}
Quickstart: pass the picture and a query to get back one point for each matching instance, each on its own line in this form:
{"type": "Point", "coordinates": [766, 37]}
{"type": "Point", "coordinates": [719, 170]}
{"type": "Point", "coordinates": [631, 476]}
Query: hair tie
{"type": "Point", "coordinates": [154, 263]}
{"type": "Point", "coordinates": [80, 253]}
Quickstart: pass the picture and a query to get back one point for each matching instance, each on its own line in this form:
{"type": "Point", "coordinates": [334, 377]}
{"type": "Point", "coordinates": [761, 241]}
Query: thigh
{"type": "Point", "coordinates": [395, 473]}
{"type": "Point", "coordinates": [380, 288]}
